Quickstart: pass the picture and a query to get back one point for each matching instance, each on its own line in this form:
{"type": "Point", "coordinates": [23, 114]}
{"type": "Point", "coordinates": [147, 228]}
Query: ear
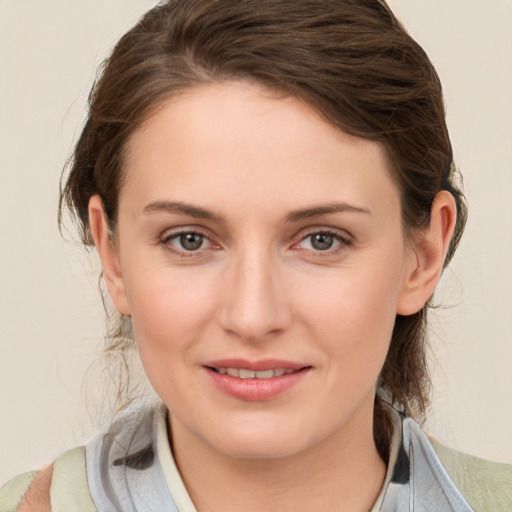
{"type": "Point", "coordinates": [108, 255]}
{"type": "Point", "coordinates": [427, 255]}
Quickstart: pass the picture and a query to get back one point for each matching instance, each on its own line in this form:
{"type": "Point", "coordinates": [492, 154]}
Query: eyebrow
{"type": "Point", "coordinates": [176, 207]}
{"type": "Point", "coordinates": [183, 209]}
{"type": "Point", "coordinates": [317, 211]}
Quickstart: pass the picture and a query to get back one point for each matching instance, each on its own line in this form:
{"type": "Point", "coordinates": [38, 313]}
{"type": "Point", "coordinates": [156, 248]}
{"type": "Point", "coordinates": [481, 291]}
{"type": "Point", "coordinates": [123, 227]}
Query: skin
{"type": "Point", "coordinates": [37, 498]}
{"type": "Point", "coordinates": [259, 287]}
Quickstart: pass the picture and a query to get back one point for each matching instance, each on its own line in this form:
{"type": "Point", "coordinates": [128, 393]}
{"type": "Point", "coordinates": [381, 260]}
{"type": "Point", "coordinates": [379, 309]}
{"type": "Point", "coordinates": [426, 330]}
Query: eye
{"type": "Point", "coordinates": [323, 241]}
{"type": "Point", "coordinates": [189, 241]}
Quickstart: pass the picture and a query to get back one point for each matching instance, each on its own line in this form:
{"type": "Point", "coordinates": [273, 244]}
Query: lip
{"type": "Point", "coordinates": [255, 389]}
{"type": "Point", "coordinates": [261, 365]}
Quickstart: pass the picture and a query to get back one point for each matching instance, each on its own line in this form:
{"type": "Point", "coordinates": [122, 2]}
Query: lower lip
{"type": "Point", "coordinates": [255, 390]}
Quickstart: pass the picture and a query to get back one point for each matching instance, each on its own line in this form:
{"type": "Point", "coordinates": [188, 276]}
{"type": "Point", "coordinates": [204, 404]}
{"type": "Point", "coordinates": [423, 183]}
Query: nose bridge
{"type": "Point", "coordinates": [254, 304]}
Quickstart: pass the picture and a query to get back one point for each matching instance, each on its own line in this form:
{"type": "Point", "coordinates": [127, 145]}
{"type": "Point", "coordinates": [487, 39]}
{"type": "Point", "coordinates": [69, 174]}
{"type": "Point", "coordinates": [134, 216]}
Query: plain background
{"type": "Point", "coordinates": [51, 319]}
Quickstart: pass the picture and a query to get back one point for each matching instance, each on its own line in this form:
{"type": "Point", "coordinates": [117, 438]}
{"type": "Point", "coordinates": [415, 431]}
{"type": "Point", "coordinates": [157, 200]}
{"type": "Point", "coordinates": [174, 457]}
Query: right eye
{"type": "Point", "coordinates": [187, 242]}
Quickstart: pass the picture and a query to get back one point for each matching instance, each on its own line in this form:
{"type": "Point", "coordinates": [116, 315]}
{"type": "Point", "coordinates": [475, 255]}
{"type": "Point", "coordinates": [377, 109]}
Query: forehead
{"type": "Point", "coordinates": [249, 146]}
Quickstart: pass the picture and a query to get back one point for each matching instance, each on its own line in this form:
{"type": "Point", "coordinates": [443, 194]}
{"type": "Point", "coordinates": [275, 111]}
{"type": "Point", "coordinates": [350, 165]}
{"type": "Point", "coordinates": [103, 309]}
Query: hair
{"type": "Point", "coordinates": [351, 60]}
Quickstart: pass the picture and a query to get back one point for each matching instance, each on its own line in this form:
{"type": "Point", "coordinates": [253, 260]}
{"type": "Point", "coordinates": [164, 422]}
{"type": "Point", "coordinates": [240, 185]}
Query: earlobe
{"type": "Point", "coordinates": [428, 255]}
{"type": "Point", "coordinates": [108, 255]}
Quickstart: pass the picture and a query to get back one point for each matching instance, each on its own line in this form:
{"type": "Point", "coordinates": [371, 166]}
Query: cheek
{"type": "Point", "coordinates": [356, 331]}
{"type": "Point", "coordinates": [168, 310]}
{"type": "Point", "coordinates": [355, 313]}
{"type": "Point", "coordinates": [169, 315]}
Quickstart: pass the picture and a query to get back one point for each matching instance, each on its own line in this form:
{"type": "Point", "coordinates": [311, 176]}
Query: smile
{"type": "Point", "coordinates": [243, 373]}
{"type": "Point", "coordinates": [255, 381]}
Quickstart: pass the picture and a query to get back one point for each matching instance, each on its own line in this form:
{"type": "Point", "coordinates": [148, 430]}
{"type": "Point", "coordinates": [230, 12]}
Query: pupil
{"type": "Point", "coordinates": [322, 242]}
{"type": "Point", "coordinates": [191, 241]}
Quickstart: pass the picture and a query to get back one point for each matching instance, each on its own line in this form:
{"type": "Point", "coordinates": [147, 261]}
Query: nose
{"type": "Point", "coordinates": [255, 306]}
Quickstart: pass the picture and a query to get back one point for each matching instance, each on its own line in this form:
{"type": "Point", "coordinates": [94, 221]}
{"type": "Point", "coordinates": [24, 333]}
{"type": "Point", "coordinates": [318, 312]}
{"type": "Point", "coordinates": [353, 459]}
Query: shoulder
{"type": "Point", "coordinates": [427, 475]}
{"type": "Point", "coordinates": [14, 491]}
{"type": "Point", "coordinates": [61, 487]}
{"type": "Point", "coordinates": [486, 485]}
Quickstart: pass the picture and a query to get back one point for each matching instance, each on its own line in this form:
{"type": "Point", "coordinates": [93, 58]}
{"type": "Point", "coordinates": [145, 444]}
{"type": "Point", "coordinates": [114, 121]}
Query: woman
{"type": "Point", "coordinates": [270, 188]}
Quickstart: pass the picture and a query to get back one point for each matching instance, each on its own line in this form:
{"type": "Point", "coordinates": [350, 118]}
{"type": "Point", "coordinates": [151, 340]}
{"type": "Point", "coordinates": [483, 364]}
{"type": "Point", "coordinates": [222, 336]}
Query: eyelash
{"type": "Point", "coordinates": [343, 242]}
{"type": "Point", "coordinates": [183, 253]}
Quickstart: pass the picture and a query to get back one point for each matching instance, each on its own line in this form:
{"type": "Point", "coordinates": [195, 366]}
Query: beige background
{"type": "Point", "coordinates": [51, 321]}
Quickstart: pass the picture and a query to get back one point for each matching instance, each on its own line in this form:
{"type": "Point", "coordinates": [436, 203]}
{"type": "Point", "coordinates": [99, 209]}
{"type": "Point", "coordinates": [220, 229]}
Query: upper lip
{"type": "Point", "coordinates": [260, 365]}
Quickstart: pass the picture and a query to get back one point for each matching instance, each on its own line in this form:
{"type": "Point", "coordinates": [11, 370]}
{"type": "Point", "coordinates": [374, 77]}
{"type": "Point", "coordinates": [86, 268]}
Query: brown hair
{"type": "Point", "coordinates": [350, 59]}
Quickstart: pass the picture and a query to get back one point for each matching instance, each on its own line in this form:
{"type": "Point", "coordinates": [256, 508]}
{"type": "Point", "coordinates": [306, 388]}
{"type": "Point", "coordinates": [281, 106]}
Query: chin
{"type": "Point", "coordinates": [261, 449]}
{"type": "Point", "coordinates": [257, 442]}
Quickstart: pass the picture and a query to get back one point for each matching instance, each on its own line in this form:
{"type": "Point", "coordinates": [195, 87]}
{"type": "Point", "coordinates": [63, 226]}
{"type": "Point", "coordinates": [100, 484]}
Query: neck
{"type": "Point", "coordinates": [344, 472]}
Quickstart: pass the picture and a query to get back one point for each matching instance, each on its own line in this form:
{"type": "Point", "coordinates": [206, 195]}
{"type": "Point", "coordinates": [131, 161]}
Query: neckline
{"type": "Point", "coordinates": [180, 494]}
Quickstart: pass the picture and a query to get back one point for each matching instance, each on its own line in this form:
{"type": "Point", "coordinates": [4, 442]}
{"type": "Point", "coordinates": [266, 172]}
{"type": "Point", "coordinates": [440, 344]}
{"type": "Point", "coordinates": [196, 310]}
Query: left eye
{"type": "Point", "coordinates": [322, 241]}
{"type": "Point", "coordinates": [189, 241]}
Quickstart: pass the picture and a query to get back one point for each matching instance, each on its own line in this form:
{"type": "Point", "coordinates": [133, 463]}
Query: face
{"type": "Point", "coordinates": [261, 257]}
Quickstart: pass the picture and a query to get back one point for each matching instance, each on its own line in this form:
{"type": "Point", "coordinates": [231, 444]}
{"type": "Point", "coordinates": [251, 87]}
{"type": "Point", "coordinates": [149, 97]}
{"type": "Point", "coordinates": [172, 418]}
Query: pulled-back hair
{"type": "Point", "coordinates": [350, 59]}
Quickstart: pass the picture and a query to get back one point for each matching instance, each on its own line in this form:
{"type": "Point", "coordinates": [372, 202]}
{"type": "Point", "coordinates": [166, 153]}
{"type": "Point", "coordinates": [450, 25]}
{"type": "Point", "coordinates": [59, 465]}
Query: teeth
{"type": "Point", "coordinates": [243, 373]}
{"type": "Point", "coordinates": [264, 374]}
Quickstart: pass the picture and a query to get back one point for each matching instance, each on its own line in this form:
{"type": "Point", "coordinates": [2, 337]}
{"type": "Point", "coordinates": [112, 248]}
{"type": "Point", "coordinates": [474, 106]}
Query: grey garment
{"type": "Point", "coordinates": [124, 473]}
{"type": "Point", "coordinates": [123, 470]}
{"type": "Point", "coordinates": [419, 482]}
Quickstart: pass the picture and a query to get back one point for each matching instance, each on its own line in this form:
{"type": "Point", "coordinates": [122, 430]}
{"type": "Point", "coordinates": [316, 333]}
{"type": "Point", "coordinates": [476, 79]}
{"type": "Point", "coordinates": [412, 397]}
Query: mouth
{"type": "Point", "coordinates": [245, 373]}
{"type": "Point", "coordinates": [255, 381]}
